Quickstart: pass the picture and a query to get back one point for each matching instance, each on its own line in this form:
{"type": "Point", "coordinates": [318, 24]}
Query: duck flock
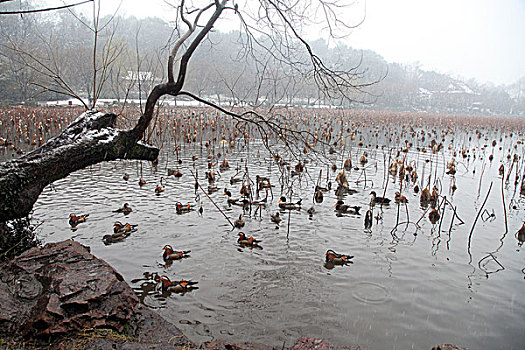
{"type": "Point", "coordinates": [316, 151]}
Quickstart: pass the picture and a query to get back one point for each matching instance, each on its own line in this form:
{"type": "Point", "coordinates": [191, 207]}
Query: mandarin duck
{"type": "Point", "coordinates": [343, 208]}
{"type": "Point", "coordinates": [77, 219]}
{"type": "Point", "coordinates": [335, 258]}
{"type": "Point", "coordinates": [119, 227]}
{"type": "Point", "coordinates": [275, 218]}
{"type": "Point", "coordinates": [291, 206]}
{"type": "Point", "coordinates": [170, 254]}
{"type": "Point", "coordinates": [115, 237]}
{"type": "Point", "coordinates": [183, 208]}
{"type": "Point", "coordinates": [247, 241]}
{"type": "Point", "coordinates": [126, 209]}
{"type": "Point", "coordinates": [180, 286]}
{"type": "Point", "coordinates": [239, 223]}
{"type": "Point", "coordinates": [378, 200]}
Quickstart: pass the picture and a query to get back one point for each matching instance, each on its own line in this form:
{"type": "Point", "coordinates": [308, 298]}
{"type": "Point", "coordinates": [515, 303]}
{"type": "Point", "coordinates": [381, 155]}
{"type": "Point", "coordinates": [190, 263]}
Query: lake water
{"type": "Point", "coordinates": [408, 289]}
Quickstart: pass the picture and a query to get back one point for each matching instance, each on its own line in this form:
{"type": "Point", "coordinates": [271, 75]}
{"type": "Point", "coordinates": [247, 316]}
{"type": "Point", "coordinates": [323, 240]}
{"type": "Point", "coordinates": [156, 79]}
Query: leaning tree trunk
{"type": "Point", "coordinates": [92, 138]}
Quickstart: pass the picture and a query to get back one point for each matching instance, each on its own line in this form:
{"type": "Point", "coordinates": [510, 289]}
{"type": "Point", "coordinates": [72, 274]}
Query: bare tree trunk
{"type": "Point", "coordinates": [90, 139]}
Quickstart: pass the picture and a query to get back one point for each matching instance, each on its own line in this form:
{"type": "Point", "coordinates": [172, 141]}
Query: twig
{"type": "Point", "coordinates": [215, 204]}
{"type": "Point", "coordinates": [476, 220]}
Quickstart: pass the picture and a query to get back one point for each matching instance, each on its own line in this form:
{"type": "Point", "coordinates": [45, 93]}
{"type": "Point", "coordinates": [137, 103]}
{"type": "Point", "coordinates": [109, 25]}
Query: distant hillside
{"type": "Point", "coordinates": [225, 70]}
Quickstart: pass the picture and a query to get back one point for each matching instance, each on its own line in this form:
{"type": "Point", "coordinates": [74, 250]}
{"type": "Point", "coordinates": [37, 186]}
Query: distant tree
{"type": "Point", "coordinates": [274, 27]}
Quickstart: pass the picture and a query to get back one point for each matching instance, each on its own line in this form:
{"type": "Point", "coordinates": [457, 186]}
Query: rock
{"type": "Point", "coordinates": [146, 331]}
{"type": "Point", "coordinates": [300, 344]}
{"type": "Point", "coordinates": [224, 345]}
{"type": "Point", "coordinates": [319, 344]}
{"type": "Point", "coordinates": [59, 289]}
{"type": "Point", "coordinates": [448, 347]}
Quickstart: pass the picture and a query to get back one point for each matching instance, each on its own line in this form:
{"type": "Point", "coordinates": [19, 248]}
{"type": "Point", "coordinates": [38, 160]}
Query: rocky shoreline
{"type": "Point", "coordinates": [61, 296]}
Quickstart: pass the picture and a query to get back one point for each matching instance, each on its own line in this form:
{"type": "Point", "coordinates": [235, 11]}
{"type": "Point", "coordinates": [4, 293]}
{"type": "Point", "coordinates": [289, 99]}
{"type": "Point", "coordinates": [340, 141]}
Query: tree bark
{"type": "Point", "coordinates": [90, 139]}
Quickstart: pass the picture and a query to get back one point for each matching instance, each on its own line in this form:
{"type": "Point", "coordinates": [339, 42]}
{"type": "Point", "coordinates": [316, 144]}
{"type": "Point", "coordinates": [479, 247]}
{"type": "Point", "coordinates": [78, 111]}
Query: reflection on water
{"type": "Point", "coordinates": [411, 284]}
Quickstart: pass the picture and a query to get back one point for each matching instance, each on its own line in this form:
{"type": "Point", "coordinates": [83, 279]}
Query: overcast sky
{"type": "Point", "coordinates": [481, 39]}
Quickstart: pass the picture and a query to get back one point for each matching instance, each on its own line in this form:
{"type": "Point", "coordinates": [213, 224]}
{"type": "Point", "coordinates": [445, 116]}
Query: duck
{"type": "Point", "coordinates": [180, 286]}
{"type": "Point", "coordinates": [232, 201]}
{"type": "Point", "coordinates": [342, 190]}
{"type": "Point", "coordinates": [336, 258]}
{"type": "Point", "coordinates": [170, 254]}
{"type": "Point", "coordinates": [118, 227]}
{"type": "Point", "coordinates": [142, 182]}
{"type": "Point", "coordinates": [126, 209]}
{"type": "Point", "coordinates": [247, 241]}
{"type": "Point", "coordinates": [341, 207]}
{"type": "Point", "coordinates": [183, 208]}
{"type": "Point", "coordinates": [77, 219]}
{"type": "Point", "coordinates": [368, 219]}
{"type": "Point", "coordinates": [158, 190]}
{"type": "Point", "coordinates": [275, 218]}
{"type": "Point", "coordinates": [174, 172]}
{"type": "Point", "coordinates": [311, 211]}
{"type": "Point", "coordinates": [224, 165]}
{"type": "Point", "coordinates": [115, 237]}
{"type": "Point", "coordinates": [378, 200]}
{"type": "Point", "coordinates": [234, 180]}
{"type": "Point", "coordinates": [290, 206]}
{"type": "Point", "coordinates": [239, 223]}
{"type": "Point", "coordinates": [125, 176]}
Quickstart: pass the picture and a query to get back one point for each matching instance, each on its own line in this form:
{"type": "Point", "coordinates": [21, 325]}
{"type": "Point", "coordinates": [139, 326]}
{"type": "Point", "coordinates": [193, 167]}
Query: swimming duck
{"type": "Point", "coordinates": [126, 209]}
{"type": "Point", "coordinates": [275, 218]}
{"type": "Point", "coordinates": [183, 208]}
{"type": "Point", "coordinates": [343, 208]}
{"type": "Point", "coordinates": [118, 227]}
{"type": "Point", "coordinates": [142, 182]}
{"type": "Point", "coordinates": [234, 180]}
{"type": "Point", "coordinates": [77, 219]}
{"type": "Point", "coordinates": [126, 177]}
{"type": "Point", "coordinates": [342, 190]}
{"type": "Point", "coordinates": [115, 237]}
{"type": "Point", "coordinates": [181, 286]}
{"type": "Point", "coordinates": [291, 206]}
{"type": "Point", "coordinates": [335, 258]}
{"type": "Point", "coordinates": [379, 200]}
{"type": "Point", "coordinates": [247, 241]}
{"type": "Point", "coordinates": [239, 223]}
{"type": "Point", "coordinates": [368, 219]}
{"type": "Point", "coordinates": [231, 201]}
{"type": "Point", "coordinates": [170, 254]}
{"type": "Point", "coordinates": [224, 165]}
{"type": "Point", "coordinates": [311, 211]}
{"type": "Point", "coordinates": [174, 172]}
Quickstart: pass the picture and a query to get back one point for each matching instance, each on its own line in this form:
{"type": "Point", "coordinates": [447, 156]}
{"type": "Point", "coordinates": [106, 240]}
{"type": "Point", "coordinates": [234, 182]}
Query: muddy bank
{"type": "Point", "coordinates": [63, 295]}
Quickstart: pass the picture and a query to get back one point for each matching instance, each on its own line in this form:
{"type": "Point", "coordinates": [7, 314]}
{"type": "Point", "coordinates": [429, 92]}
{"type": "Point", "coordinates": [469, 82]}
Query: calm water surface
{"type": "Point", "coordinates": [411, 290]}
